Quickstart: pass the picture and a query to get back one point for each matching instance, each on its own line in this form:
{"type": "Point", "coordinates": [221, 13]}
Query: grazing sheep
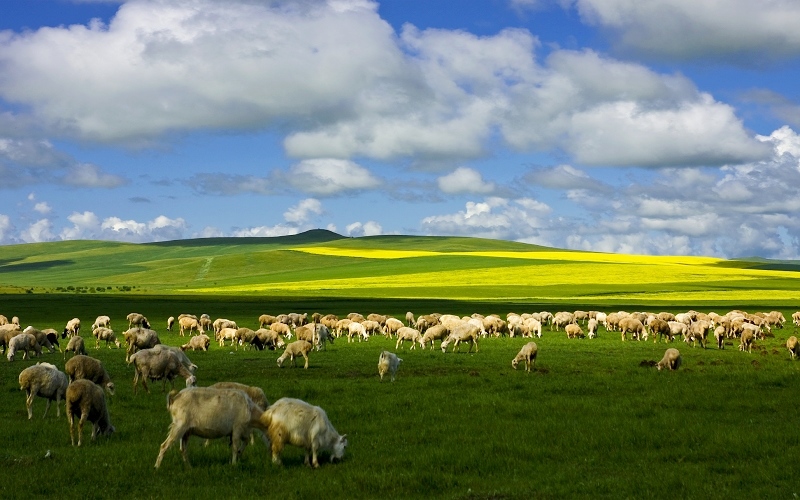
{"type": "Point", "coordinates": [201, 341]}
{"type": "Point", "coordinates": [528, 354]}
{"type": "Point", "coordinates": [372, 327]}
{"type": "Point", "coordinates": [268, 338]}
{"type": "Point", "coordinates": [410, 318]}
{"type": "Point", "coordinates": [281, 329]}
{"type": "Point", "coordinates": [255, 393]}
{"type": "Point", "coordinates": [73, 328]}
{"type": "Point", "coordinates": [85, 367]}
{"type": "Point", "coordinates": [388, 363]}
{"type": "Point", "coordinates": [46, 381]}
{"type": "Point", "coordinates": [464, 333]}
{"type": "Point", "coordinates": [221, 323]}
{"type": "Point", "coordinates": [23, 342]}
{"type": "Point", "coordinates": [407, 333]}
{"type": "Point", "coordinates": [298, 347]}
{"type": "Point", "coordinates": [746, 340]}
{"type": "Point", "coordinates": [671, 359]}
{"type": "Point", "coordinates": [189, 323]}
{"type": "Point", "coordinates": [244, 337]}
{"type": "Point", "coordinates": [591, 327]}
{"type": "Point", "coordinates": [356, 329]}
{"type": "Point", "coordinates": [227, 334]}
{"type": "Point", "coordinates": [719, 335]}
{"type": "Point", "coordinates": [139, 338]}
{"type": "Point", "coordinates": [75, 345]}
{"type": "Point", "coordinates": [391, 326]}
{"type": "Point", "coordinates": [698, 332]}
{"type": "Point", "coordinates": [106, 334]}
{"type": "Point", "coordinates": [170, 323]}
{"type": "Point", "coordinates": [295, 422]}
{"type": "Point", "coordinates": [101, 321]}
{"type": "Point", "coordinates": [659, 329]}
{"type": "Point", "coordinates": [793, 346]}
{"type": "Point", "coordinates": [210, 413]}
{"type": "Point", "coordinates": [678, 329]}
{"type": "Point", "coordinates": [46, 338]}
{"type": "Point", "coordinates": [136, 320]}
{"type": "Point", "coordinates": [633, 325]}
{"type": "Point", "coordinates": [796, 318]}
{"type": "Point", "coordinates": [159, 364]}
{"type": "Point", "coordinates": [265, 320]}
{"type": "Point", "coordinates": [573, 331]}
{"type": "Point", "coordinates": [85, 398]}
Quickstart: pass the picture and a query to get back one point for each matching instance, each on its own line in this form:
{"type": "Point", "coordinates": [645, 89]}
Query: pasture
{"type": "Point", "coordinates": [593, 420]}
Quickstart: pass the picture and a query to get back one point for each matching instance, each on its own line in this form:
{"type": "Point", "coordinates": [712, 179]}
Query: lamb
{"type": "Point", "coordinates": [44, 338]}
{"type": "Point", "coordinates": [528, 354]}
{"type": "Point", "coordinates": [793, 346]}
{"type": "Point", "coordinates": [159, 364]}
{"type": "Point", "coordinates": [300, 424]}
{"type": "Point", "coordinates": [301, 347]}
{"type": "Point", "coordinates": [464, 333]}
{"type": "Point", "coordinates": [407, 333]}
{"type": "Point", "coordinates": [136, 320]}
{"type": "Point", "coordinates": [101, 321]}
{"type": "Point", "coordinates": [85, 367]}
{"type": "Point", "coordinates": [86, 399]}
{"type": "Point", "coordinates": [46, 381]}
{"type": "Point", "coordinates": [73, 328]}
{"type": "Point", "coordinates": [573, 331]}
{"type": "Point", "coordinates": [189, 323]}
{"type": "Point", "coordinates": [75, 345]}
{"type": "Point", "coordinates": [388, 363]}
{"type": "Point", "coordinates": [432, 334]}
{"type": "Point", "coordinates": [23, 342]}
{"type": "Point", "coordinates": [107, 334]}
{"type": "Point", "coordinates": [671, 359]}
{"type": "Point", "coordinates": [201, 341]}
{"type": "Point", "coordinates": [210, 413]}
{"type": "Point", "coordinates": [139, 338]}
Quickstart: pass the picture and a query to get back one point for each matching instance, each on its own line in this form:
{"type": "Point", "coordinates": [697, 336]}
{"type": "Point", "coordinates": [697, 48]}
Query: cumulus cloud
{"type": "Point", "coordinates": [87, 225]}
{"type": "Point", "coordinates": [464, 180]}
{"type": "Point", "coordinates": [343, 84]}
{"type": "Point", "coordinates": [267, 231]}
{"type": "Point", "coordinates": [369, 228]}
{"type": "Point", "coordinates": [43, 208]}
{"type": "Point", "coordinates": [39, 231]}
{"type": "Point", "coordinates": [329, 176]}
{"type": "Point", "coordinates": [685, 29]}
{"type": "Point", "coordinates": [564, 177]}
{"type": "Point", "coordinates": [6, 228]}
{"type": "Point", "coordinates": [303, 211]}
{"type": "Point", "coordinates": [87, 175]}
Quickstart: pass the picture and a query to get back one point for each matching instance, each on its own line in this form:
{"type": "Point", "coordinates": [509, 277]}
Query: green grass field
{"type": "Point", "coordinates": [591, 421]}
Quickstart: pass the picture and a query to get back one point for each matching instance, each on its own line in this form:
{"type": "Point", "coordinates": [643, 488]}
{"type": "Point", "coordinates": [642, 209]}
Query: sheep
{"type": "Point", "coordinates": [388, 363]}
{"type": "Point", "coordinates": [301, 347]}
{"type": "Point", "coordinates": [698, 332]}
{"type": "Point", "coordinates": [86, 399]}
{"type": "Point", "coordinates": [632, 325]}
{"type": "Point", "coordinates": [591, 327]}
{"type": "Point", "coordinates": [139, 338]}
{"type": "Point", "coordinates": [358, 330]}
{"type": "Point", "coordinates": [793, 346]}
{"type": "Point", "coordinates": [23, 342]}
{"type": "Point", "coordinates": [227, 334]}
{"type": "Point", "coordinates": [671, 359]}
{"type": "Point", "coordinates": [106, 334]}
{"type": "Point", "coordinates": [244, 337]}
{"type": "Point", "coordinates": [255, 393]}
{"type": "Point", "coordinates": [221, 323]}
{"type": "Point", "coordinates": [281, 329]}
{"type": "Point", "coordinates": [101, 321]}
{"type": "Point", "coordinates": [75, 345]}
{"type": "Point", "coordinates": [15, 321]}
{"type": "Point", "coordinates": [528, 354]}
{"type": "Point", "coordinates": [307, 333]}
{"type": "Point", "coordinates": [269, 339]}
{"type": "Point", "coordinates": [660, 328]}
{"type": "Point", "coordinates": [73, 328]}
{"type": "Point", "coordinates": [573, 331]}
{"type": "Point", "coordinates": [297, 319]}
{"type": "Point", "coordinates": [210, 413]}
{"type": "Point", "coordinates": [137, 320]}
{"type": "Point", "coordinates": [295, 422]}
{"type": "Point", "coordinates": [796, 318]}
{"type": "Point", "coordinates": [464, 333]}
{"type": "Point", "coordinates": [407, 333]}
{"type": "Point", "coordinates": [170, 323]}
{"type": "Point", "coordinates": [372, 327]}
{"type": "Point", "coordinates": [159, 364]}
{"type": "Point", "coordinates": [719, 335]}
{"type": "Point", "coordinates": [678, 329]}
{"type": "Point", "coordinates": [46, 381]}
{"type": "Point", "coordinates": [85, 367]}
{"type": "Point", "coordinates": [562, 318]}
{"type": "Point", "coordinates": [432, 334]}
{"type": "Point", "coordinates": [410, 318]}
{"type": "Point", "coordinates": [205, 323]}
{"type": "Point", "coordinates": [189, 323]}
{"type": "Point", "coordinates": [201, 341]}
{"type": "Point", "coordinates": [45, 338]}
{"type": "Point", "coordinates": [746, 339]}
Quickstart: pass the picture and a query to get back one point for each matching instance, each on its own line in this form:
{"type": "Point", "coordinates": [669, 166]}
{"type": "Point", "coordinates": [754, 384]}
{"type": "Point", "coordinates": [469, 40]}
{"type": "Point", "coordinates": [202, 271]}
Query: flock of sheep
{"type": "Point", "coordinates": [237, 411]}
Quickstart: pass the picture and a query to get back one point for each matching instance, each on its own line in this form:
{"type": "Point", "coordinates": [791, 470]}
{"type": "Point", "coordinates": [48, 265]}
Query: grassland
{"type": "Point", "coordinates": [592, 421]}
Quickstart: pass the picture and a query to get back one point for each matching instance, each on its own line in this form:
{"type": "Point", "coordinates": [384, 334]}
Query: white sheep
{"type": "Point", "coordinates": [464, 333]}
{"type": "Point", "coordinates": [46, 338]}
{"type": "Point", "coordinates": [75, 345]}
{"type": "Point", "coordinates": [86, 399]}
{"type": "Point", "coordinates": [101, 321]}
{"type": "Point", "coordinates": [46, 381]}
{"type": "Point", "coordinates": [170, 323]}
{"type": "Point", "coordinates": [298, 347]}
{"type": "Point", "coordinates": [139, 338]}
{"type": "Point", "coordinates": [201, 341]}
{"type": "Point", "coordinates": [407, 333]}
{"type": "Point", "coordinates": [432, 334]}
{"type": "Point", "coordinates": [73, 328]}
{"type": "Point", "coordinates": [573, 331]}
{"type": "Point", "coordinates": [189, 323]}
{"type": "Point", "coordinates": [295, 422]}
{"type": "Point", "coordinates": [388, 362]}
{"type": "Point", "coordinates": [106, 334]}
{"type": "Point", "coordinates": [22, 342]}
{"type": "Point", "coordinates": [793, 346]}
{"type": "Point", "coordinates": [528, 354]}
{"type": "Point", "coordinates": [591, 328]}
{"type": "Point", "coordinates": [85, 367]}
{"type": "Point", "coordinates": [671, 359]}
{"type": "Point", "coordinates": [159, 364]}
{"type": "Point", "coordinates": [137, 320]}
{"type": "Point", "coordinates": [355, 329]}
{"type": "Point", "coordinates": [748, 337]}
{"type": "Point", "coordinates": [210, 413]}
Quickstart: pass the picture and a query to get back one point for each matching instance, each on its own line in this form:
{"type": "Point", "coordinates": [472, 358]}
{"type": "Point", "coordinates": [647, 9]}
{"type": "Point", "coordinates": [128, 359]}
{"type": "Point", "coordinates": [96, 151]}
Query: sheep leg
{"type": "Point", "coordinates": [70, 419]}
{"type": "Point", "coordinates": [84, 415]}
{"type": "Point", "coordinates": [306, 357]}
{"type": "Point", "coordinates": [47, 407]}
{"type": "Point", "coordinates": [276, 443]}
{"type": "Point", "coordinates": [29, 402]}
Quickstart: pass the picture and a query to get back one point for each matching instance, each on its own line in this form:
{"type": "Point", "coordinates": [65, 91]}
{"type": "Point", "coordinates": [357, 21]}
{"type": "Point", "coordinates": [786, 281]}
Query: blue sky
{"type": "Point", "coordinates": [659, 127]}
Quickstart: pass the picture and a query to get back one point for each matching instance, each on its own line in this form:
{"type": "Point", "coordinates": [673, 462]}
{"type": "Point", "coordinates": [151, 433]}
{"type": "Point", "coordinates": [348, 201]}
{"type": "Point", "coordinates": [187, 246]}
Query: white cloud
{"type": "Point", "coordinates": [6, 228]}
{"type": "Point", "coordinates": [43, 208]}
{"type": "Point", "coordinates": [369, 228]}
{"type": "Point", "coordinates": [267, 231]}
{"type": "Point", "coordinates": [39, 231]}
{"type": "Point", "coordinates": [464, 180]}
{"type": "Point", "coordinates": [85, 226]}
{"type": "Point", "coordinates": [329, 176]}
{"type": "Point", "coordinates": [303, 211]}
{"type": "Point", "coordinates": [687, 29]}
{"type": "Point", "coordinates": [87, 175]}
{"type": "Point", "coordinates": [523, 219]}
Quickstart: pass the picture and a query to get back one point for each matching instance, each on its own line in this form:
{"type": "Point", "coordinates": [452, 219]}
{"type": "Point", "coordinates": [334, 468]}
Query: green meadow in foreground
{"type": "Point", "coordinates": [594, 419]}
